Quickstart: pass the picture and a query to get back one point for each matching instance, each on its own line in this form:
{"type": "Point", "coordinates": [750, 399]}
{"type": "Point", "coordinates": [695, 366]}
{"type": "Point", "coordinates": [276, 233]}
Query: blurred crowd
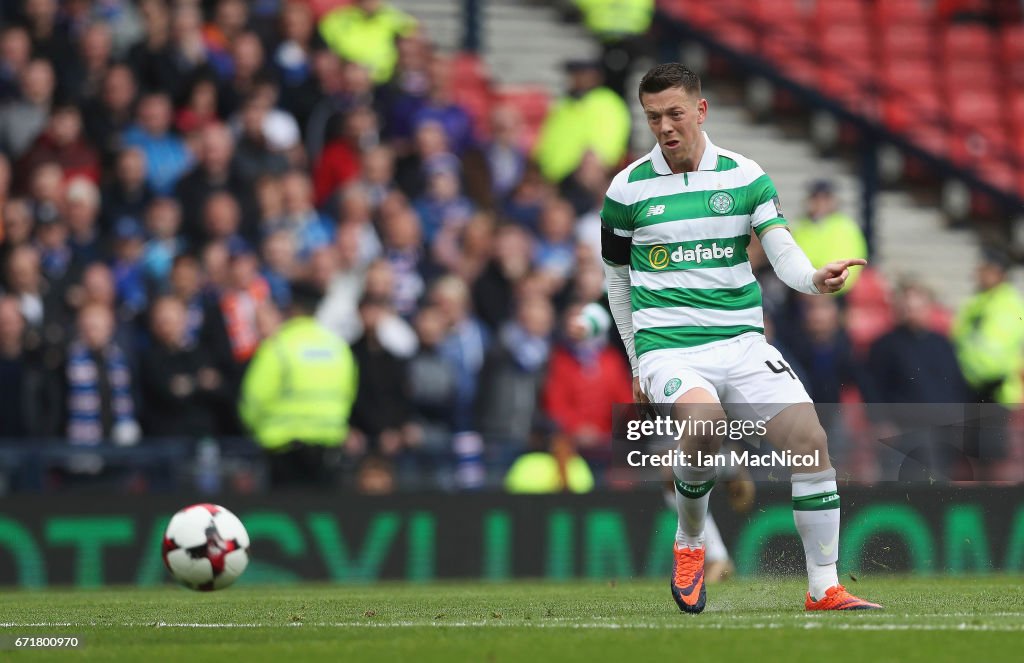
{"type": "Point", "coordinates": [170, 169]}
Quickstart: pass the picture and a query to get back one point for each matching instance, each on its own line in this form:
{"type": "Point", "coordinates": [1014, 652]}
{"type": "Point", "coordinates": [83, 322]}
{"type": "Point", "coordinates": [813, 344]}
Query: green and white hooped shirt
{"type": "Point", "coordinates": [690, 277]}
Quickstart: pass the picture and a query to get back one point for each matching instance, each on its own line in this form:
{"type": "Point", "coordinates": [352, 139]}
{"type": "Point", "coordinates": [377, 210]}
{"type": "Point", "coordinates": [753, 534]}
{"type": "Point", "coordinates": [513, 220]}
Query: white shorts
{"type": "Point", "coordinates": [748, 376]}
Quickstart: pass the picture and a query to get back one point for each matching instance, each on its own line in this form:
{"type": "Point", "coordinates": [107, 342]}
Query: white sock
{"type": "Point", "coordinates": [714, 547]}
{"type": "Point", "coordinates": [816, 514]}
{"type": "Point", "coordinates": [693, 489]}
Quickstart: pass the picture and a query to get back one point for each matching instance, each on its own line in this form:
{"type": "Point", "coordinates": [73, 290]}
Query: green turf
{"type": "Point", "coordinates": [966, 619]}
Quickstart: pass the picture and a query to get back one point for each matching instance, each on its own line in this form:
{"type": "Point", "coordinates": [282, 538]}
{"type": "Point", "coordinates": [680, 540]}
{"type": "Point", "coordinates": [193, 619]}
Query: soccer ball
{"type": "Point", "coordinates": [206, 547]}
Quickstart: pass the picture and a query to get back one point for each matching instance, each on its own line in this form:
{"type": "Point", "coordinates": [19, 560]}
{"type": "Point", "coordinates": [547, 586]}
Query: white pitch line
{"type": "Point", "coordinates": [689, 625]}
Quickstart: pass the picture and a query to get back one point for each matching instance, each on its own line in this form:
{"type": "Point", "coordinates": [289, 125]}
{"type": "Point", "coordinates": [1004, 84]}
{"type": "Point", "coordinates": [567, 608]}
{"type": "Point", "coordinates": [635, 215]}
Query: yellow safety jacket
{"type": "Point", "coordinates": [834, 237]}
{"type": "Point", "coordinates": [609, 19]}
{"type": "Point", "coordinates": [368, 39]}
{"type": "Point", "coordinates": [300, 386]}
{"type": "Point", "coordinates": [597, 121]}
{"type": "Point", "coordinates": [988, 333]}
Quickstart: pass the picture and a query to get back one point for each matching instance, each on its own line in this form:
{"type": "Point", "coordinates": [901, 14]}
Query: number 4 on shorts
{"type": "Point", "coordinates": [782, 367]}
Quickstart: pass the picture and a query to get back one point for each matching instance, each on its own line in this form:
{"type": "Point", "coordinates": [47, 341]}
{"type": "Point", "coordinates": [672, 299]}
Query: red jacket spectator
{"type": "Point", "coordinates": [581, 388]}
{"type": "Point", "coordinates": [338, 165]}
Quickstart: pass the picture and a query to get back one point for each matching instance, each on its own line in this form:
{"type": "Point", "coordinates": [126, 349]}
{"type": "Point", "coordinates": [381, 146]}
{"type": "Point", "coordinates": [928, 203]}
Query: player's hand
{"type": "Point", "coordinates": [741, 494]}
{"type": "Point", "coordinates": [638, 394]}
{"type": "Point", "coordinates": [832, 277]}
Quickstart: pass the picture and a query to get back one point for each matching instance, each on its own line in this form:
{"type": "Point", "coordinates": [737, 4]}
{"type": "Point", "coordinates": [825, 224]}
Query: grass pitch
{"type": "Point", "coordinates": [926, 619]}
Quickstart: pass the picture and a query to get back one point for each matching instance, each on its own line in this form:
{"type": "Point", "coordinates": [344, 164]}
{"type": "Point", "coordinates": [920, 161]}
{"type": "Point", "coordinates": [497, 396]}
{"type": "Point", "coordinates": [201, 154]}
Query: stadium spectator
{"type": "Point", "coordinates": [403, 250]}
{"type": "Point", "coordinates": [912, 363]}
{"type": "Point", "coordinates": [621, 27]}
{"type": "Point", "coordinates": [107, 116]}
{"type": "Point", "coordinates": [585, 379]}
{"type": "Point", "coordinates": [247, 70]}
{"type": "Point", "coordinates": [988, 333]}
{"type": "Point", "coordinates": [511, 379]}
{"type": "Point", "coordinates": [148, 56]}
{"type": "Point", "coordinates": [431, 382]}
{"type": "Point", "coordinates": [128, 194]}
{"type": "Point", "coordinates": [186, 55]}
{"type": "Point", "coordinates": [430, 146]}
{"type": "Point", "coordinates": [309, 230]}
{"type": "Point", "coordinates": [356, 212]}
{"type": "Point", "coordinates": [50, 37]}
{"type": "Point", "coordinates": [255, 154]}
{"type": "Point", "coordinates": [127, 267]}
{"type": "Point", "coordinates": [29, 395]}
{"type": "Point", "coordinates": [505, 152]}
{"type": "Point", "coordinates": [41, 305]}
{"type": "Point", "coordinates": [164, 243]}
{"type": "Point", "coordinates": [81, 81]}
{"type": "Point", "coordinates": [230, 18]}
{"type": "Point", "coordinates": [81, 212]}
{"type": "Point", "coordinates": [24, 117]}
{"type": "Point", "coordinates": [15, 52]}
{"type": "Point", "coordinates": [200, 109]}
{"type": "Point", "coordinates": [167, 157]}
{"type": "Point", "coordinates": [465, 345]}
{"type": "Point", "coordinates": [342, 283]}
{"type": "Point", "coordinates": [494, 290]}
{"type": "Point", "coordinates": [245, 293]}
{"type": "Point", "coordinates": [56, 257]}
{"type": "Point", "coordinates": [826, 233]}
{"type": "Point", "coordinates": [442, 207]}
{"type": "Point", "coordinates": [280, 265]}
{"type": "Point", "coordinates": [99, 383]}
{"type": "Point", "coordinates": [438, 106]}
{"type": "Point", "coordinates": [293, 57]}
{"type": "Point", "coordinates": [297, 395]}
{"type": "Point", "coordinates": [18, 225]}
{"type": "Point", "coordinates": [555, 249]}
{"type": "Point", "coordinates": [365, 32]}
{"type": "Point", "coordinates": [378, 174]}
{"type": "Point", "coordinates": [216, 171]}
{"type": "Point", "coordinates": [63, 143]}
{"type": "Point", "coordinates": [589, 118]}
{"type": "Point", "coordinates": [382, 411]}
{"type": "Point", "coordinates": [825, 352]}
{"type": "Point", "coordinates": [179, 384]}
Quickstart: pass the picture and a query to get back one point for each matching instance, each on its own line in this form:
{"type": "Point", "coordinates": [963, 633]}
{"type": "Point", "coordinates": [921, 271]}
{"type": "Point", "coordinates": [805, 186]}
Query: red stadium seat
{"type": "Point", "coordinates": [974, 43]}
{"type": "Point", "coordinates": [977, 145]}
{"type": "Point", "coordinates": [906, 109]}
{"type": "Point", "coordinates": [737, 35]}
{"type": "Point", "coordinates": [1015, 112]}
{"type": "Point", "coordinates": [958, 77]}
{"type": "Point", "coordinates": [975, 108]}
{"type": "Point", "coordinates": [839, 12]}
{"type": "Point", "coordinates": [781, 13]}
{"type": "Point", "coordinates": [999, 174]}
{"type": "Point", "coordinates": [903, 13]}
{"type": "Point", "coordinates": [851, 41]}
{"type": "Point", "coordinates": [1011, 43]}
{"type": "Point", "coordinates": [903, 42]}
{"type": "Point", "coordinates": [908, 76]}
{"type": "Point", "coordinates": [930, 138]}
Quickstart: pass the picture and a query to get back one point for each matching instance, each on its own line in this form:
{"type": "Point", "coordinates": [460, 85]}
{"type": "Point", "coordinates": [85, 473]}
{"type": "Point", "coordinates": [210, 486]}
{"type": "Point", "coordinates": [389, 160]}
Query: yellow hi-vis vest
{"type": "Point", "coordinates": [616, 18]}
{"type": "Point", "coordinates": [988, 333]}
{"type": "Point", "coordinates": [368, 39]}
{"type": "Point", "coordinates": [300, 386]}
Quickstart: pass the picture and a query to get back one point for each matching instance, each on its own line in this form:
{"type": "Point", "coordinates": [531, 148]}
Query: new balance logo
{"type": "Point", "coordinates": [655, 210]}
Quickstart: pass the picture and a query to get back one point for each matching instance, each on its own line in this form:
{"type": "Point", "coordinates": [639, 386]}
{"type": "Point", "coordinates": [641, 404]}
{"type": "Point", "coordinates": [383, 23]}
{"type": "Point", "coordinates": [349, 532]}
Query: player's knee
{"type": "Point", "coordinates": [812, 439]}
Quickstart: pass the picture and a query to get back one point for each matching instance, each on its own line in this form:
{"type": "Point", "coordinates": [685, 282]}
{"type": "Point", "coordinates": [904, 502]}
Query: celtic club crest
{"type": "Point", "coordinates": [721, 203]}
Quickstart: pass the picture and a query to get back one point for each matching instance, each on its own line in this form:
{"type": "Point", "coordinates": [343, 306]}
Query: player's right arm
{"type": "Point", "coordinates": [616, 244]}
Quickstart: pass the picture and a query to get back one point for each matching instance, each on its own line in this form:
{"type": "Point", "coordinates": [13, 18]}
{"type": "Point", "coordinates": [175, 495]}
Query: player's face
{"type": "Point", "coordinates": [675, 118]}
